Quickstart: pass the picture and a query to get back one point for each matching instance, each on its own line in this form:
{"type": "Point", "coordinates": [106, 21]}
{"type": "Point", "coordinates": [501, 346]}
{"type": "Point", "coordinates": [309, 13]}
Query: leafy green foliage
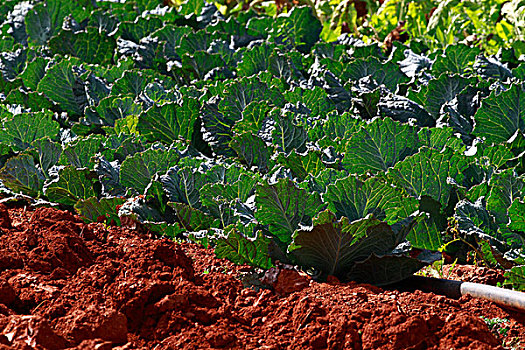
{"type": "Point", "coordinates": [252, 150]}
{"type": "Point", "coordinates": [299, 28]}
{"type": "Point", "coordinates": [90, 46]}
{"type": "Point", "coordinates": [455, 59]}
{"type": "Point", "coordinates": [427, 173]}
{"type": "Point", "coordinates": [354, 199]}
{"type": "Point", "coordinates": [473, 218]}
{"type": "Point", "coordinates": [72, 185]}
{"type": "Point", "coordinates": [192, 219]}
{"type": "Point", "coordinates": [46, 19]}
{"type": "Point", "coordinates": [435, 24]}
{"type": "Point", "coordinates": [244, 250]}
{"type": "Point", "coordinates": [21, 130]}
{"type": "Point", "coordinates": [382, 73]}
{"type": "Point", "coordinates": [440, 91]}
{"type": "Point", "coordinates": [338, 247]}
{"type": "Point", "coordinates": [169, 122]}
{"type": "Point", "coordinates": [94, 210]}
{"type": "Point", "coordinates": [345, 242]}
{"type": "Point", "coordinates": [379, 145]}
{"type": "Point", "coordinates": [61, 85]}
{"type": "Point", "coordinates": [79, 153]}
{"type": "Point", "coordinates": [136, 171]}
{"type": "Point", "coordinates": [501, 116]}
{"type": "Point", "coordinates": [284, 207]}
{"type": "Point", "coordinates": [517, 216]}
{"type": "Point", "coordinates": [506, 188]}
{"type": "Point", "coordinates": [21, 175]}
{"type": "Point", "coordinates": [276, 137]}
{"type": "Point", "coordinates": [515, 278]}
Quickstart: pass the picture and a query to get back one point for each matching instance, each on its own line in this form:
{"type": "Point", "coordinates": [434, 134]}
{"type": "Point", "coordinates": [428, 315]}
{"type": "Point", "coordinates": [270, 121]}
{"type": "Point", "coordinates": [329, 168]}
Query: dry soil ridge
{"type": "Point", "coordinates": [66, 284]}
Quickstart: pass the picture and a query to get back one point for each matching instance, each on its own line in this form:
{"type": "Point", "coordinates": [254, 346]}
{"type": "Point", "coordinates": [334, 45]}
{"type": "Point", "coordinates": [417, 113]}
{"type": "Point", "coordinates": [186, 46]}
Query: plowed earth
{"type": "Point", "coordinates": [66, 284]}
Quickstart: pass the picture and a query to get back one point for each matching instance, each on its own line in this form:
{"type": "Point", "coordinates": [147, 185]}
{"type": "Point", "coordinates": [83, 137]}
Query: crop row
{"type": "Point", "coordinates": [253, 135]}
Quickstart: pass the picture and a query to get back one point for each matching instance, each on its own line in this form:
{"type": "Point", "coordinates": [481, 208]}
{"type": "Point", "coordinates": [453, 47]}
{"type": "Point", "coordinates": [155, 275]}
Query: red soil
{"type": "Point", "coordinates": [65, 284]}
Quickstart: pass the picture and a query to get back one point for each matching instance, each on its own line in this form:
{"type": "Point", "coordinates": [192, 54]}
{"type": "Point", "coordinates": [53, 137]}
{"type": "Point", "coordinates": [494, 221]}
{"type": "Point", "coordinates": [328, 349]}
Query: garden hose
{"type": "Point", "coordinates": [456, 289]}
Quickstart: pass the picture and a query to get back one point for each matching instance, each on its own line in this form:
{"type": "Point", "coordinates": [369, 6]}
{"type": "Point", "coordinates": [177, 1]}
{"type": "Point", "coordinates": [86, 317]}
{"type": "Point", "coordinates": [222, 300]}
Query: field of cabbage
{"type": "Point", "coordinates": [271, 138]}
